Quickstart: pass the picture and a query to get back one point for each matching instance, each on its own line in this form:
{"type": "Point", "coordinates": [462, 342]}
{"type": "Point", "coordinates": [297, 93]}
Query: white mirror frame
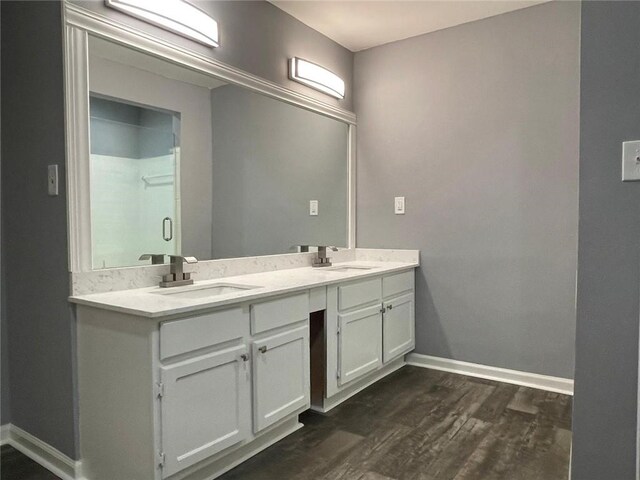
{"type": "Point", "coordinates": [79, 24]}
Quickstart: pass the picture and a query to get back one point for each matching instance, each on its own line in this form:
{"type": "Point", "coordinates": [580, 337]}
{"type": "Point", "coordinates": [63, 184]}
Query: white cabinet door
{"type": "Point", "coordinates": [205, 407]}
{"type": "Point", "coordinates": [359, 343]}
{"type": "Point", "coordinates": [398, 325]}
{"type": "Point", "coordinates": [281, 383]}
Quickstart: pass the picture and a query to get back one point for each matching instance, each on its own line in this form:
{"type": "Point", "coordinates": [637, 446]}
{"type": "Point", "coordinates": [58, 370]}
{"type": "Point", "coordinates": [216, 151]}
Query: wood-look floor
{"type": "Point", "coordinates": [426, 425]}
{"type": "Point", "coordinates": [414, 424]}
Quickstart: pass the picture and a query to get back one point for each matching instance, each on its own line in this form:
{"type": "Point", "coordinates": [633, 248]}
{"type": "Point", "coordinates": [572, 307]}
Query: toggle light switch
{"type": "Point", "coordinates": [52, 180]}
{"type": "Point", "coordinates": [630, 161]}
{"type": "Point", "coordinates": [313, 207]}
{"type": "Point", "coordinates": [399, 205]}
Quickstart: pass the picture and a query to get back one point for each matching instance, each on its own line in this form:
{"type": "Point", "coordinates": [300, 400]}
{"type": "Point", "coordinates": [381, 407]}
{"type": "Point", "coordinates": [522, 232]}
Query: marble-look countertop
{"type": "Point", "coordinates": [154, 302]}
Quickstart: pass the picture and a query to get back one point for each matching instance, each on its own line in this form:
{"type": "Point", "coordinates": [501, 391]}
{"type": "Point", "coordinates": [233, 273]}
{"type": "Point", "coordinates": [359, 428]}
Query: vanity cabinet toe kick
{"type": "Point", "coordinates": [190, 398]}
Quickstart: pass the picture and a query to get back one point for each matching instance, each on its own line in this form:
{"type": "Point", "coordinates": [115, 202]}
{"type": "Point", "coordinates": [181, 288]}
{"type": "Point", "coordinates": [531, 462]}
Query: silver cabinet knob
{"type": "Point", "coordinates": [263, 349]}
{"type": "Point", "coordinates": [244, 357]}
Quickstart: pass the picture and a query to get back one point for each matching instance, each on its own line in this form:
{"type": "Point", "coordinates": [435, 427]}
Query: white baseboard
{"type": "Point", "coordinates": [4, 434]}
{"type": "Point", "coordinates": [40, 452]}
{"type": "Point", "coordinates": [516, 377]}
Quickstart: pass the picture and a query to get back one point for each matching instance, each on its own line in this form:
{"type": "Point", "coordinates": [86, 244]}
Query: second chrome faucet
{"type": "Point", "coordinates": [176, 276]}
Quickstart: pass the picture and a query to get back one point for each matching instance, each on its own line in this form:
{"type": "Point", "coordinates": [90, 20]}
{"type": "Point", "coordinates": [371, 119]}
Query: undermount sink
{"type": "Point", "coordinates": [348, 268]}
{"type": "Point", "coordinates": [207, 291]}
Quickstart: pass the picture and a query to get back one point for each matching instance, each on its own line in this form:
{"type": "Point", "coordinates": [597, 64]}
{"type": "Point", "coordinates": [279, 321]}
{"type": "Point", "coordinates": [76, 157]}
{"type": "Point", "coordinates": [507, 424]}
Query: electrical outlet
{"type": "Point", "coordinates": [52, 180]}
{"type": "Point", "coordinates": [399, 205]}
{"type": "Point", "coordinates": [630, 161]}
{"type": "Point", "coordinates": [313, 207]}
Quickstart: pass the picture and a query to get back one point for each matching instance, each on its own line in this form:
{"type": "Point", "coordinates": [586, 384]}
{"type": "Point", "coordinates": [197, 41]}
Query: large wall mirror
{"type": "Point", "coordinates": [182, 162]}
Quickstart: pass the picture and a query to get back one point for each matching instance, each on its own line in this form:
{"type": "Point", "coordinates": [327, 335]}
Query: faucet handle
{"type": "Point", "coordinates": [176, 258]}
{"type": "Point", "coordinates": [177, 276]}
{"type": "Point", "coordinates": [156, 258]}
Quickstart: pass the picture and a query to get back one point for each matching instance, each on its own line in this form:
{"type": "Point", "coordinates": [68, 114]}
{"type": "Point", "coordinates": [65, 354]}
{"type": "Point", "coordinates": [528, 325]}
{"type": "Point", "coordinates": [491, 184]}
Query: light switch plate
{"type": "Point", "coordinates": [52, 180]}
{"type": "Point", "coordinates": [399, 205]}
{"type": "Point", "coordinates": [631, 161]}
{"type": "Point", "coordinates": [313, 207]}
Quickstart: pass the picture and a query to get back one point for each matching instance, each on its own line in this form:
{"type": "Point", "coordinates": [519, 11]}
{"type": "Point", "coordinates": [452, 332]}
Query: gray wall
{"type": "Point", "coordinates": [478, 126]}
{"type": "Point", "coordinates": [5, 403]}
{"type": "Point", "coordinates": [193, 104]}
{"type": "Point", "coordinates": [605, 402]}
{"type": "Point", "coordinates": [125, 130]}
{"type": "Point", "coordinates": [258, 37]}
{"type": "Point", "coordinates": [5, 399]}
{"type": "Point", "coordinates": [34, 243]}
{"type": "Point", "coordinates": [269, 159]}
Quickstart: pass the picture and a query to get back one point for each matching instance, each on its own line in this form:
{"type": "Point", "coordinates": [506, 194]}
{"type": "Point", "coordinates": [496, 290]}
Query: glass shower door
{"type": "Point", "coordinates": [134, 183]}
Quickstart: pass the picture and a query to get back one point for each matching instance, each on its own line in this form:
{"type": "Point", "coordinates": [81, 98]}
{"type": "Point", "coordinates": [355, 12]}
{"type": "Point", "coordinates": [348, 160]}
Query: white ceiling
{"type": "Point", "coordinates": [362, 24]}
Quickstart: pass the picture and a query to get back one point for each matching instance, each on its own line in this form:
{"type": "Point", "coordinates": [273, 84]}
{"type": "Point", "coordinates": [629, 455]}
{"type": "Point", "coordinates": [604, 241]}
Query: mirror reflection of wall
{"type": "Point", "coordinates": [269, 160]}
{"type": "Point", "coordinates": [133, 189]}
{"type": "Point", "coordinates": [248, 163]}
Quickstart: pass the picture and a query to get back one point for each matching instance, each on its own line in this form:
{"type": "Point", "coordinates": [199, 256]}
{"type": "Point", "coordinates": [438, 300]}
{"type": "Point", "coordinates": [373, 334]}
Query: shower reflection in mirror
{"type": "Point", "coordinates": [134, 191]}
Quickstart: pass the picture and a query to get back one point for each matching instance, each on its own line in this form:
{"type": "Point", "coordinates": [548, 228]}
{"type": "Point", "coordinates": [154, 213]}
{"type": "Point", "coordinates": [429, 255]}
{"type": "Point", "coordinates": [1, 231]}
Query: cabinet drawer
{"type": "Point", "coordinates": [398, 283]}
{"type": "Point", "coordinates": [279, 312]}
{"type": "Point", "coordinates": [183, 336]}
{"type": "Point", "coordinates": [317, 299]}
{"type": "Point", "coordinates": [356, 294]}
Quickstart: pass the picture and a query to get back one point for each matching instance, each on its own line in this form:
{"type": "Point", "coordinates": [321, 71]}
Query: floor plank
{"type": "Point", "coordinates": [495, 404]}
{"type": "Point", "coordinates": [437, 430]}
{"type": "Point", "coordinates": [525, 401]}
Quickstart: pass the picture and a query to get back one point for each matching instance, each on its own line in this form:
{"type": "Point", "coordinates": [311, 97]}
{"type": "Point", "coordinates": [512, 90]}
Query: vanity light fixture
{"type": "Point", "coordinates": [315, 76]}
{"type": "Point", "coordinates": [178, 16]}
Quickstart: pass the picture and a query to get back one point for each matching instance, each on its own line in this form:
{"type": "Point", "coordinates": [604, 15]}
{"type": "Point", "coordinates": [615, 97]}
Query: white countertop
{"type": "Point", "coordinates": [154, 302]}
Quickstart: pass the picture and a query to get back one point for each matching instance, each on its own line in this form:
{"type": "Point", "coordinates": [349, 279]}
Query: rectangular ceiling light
{"type": "Point", "coordinates": [177, 16]}
{"type": "Point", "coordinates": [317, 77]}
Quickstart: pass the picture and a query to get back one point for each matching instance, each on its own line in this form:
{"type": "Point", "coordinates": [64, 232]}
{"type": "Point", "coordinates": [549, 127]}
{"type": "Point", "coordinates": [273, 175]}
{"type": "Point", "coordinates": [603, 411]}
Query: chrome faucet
{"type": "Point", "coordinates": [322, 260]}
{"type": "Point", "coordinates": [177, 276]}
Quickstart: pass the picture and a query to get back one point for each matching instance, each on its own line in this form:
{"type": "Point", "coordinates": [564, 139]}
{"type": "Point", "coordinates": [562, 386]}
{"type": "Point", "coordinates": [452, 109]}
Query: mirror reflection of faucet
{"type": "Point", "coordinates": [156, 258]}
{"type": "Point", "coordinates": [177, 276]}
{"type": "Point", "coordinates": [321, 260]}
